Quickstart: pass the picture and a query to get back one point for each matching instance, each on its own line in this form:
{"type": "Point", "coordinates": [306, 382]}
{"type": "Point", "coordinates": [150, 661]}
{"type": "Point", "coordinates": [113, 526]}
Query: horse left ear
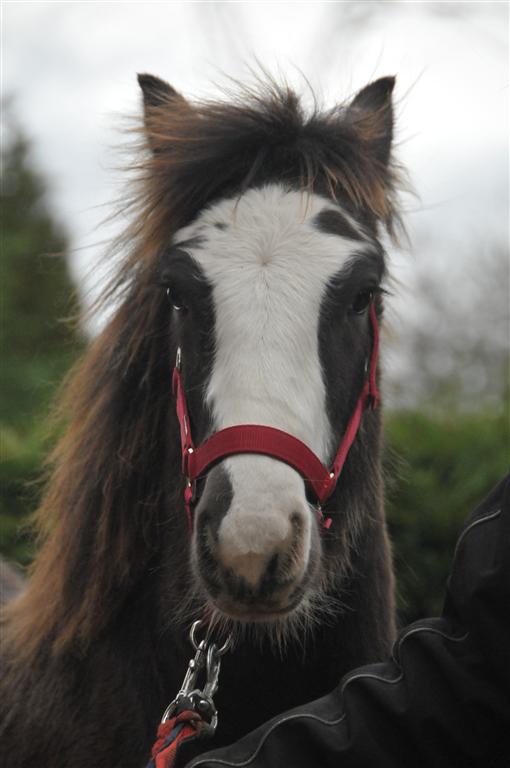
{"type": "Point", "coordinates": [370, 114]}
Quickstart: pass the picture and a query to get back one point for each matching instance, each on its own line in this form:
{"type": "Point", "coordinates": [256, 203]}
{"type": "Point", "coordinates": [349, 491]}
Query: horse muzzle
{"type": "Point", "coordinates": [253, 557]}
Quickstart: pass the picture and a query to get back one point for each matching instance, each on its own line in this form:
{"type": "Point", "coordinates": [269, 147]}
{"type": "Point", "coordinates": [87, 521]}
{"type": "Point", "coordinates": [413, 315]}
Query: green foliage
{"type": "Point", "coordinates": [37, 346]}
{"type": "Point", "coordinates": [439, 469]}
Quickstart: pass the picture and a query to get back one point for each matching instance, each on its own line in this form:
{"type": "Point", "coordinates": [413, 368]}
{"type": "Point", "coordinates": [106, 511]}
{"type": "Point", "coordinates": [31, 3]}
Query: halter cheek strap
{"type": "Point", "coordinates": [268, 441]}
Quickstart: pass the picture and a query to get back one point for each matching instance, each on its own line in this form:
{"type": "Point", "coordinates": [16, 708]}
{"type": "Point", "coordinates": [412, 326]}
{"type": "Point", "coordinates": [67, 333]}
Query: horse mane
{"type": "Point", "coordinates": [99, 521]}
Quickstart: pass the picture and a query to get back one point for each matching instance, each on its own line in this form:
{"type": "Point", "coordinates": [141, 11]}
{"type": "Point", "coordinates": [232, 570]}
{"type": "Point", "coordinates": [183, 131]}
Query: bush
{"type": "Point", "coordinates": [438, 470]}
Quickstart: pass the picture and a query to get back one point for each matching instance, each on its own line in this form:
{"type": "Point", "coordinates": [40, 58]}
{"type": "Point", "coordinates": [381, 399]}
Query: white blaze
{"type": "Point", "coordinates": [268, 267]}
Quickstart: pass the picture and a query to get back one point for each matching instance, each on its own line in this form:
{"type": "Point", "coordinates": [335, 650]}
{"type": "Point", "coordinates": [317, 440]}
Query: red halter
{"type": "Point", "coordinates": [253, 438]}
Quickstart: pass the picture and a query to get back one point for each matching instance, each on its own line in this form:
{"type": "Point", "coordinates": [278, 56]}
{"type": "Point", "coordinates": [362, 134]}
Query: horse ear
{"type": "Point", "coordinates": [370, 114]}
{"type": "Point", "coordinates": [156, 93]}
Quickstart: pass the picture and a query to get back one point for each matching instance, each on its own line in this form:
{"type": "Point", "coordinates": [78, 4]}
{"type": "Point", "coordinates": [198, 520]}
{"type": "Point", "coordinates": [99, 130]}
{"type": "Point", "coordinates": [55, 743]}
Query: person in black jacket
{"type": "Point", "coordinates": [441, 701]}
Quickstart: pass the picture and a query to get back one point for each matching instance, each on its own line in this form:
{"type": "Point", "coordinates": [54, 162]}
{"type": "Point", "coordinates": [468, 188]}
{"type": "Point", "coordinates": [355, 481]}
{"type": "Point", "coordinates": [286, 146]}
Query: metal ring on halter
{"type": "Point", "coordinates": [225, 647]}
{"type": "Point", "coordinates": [192, 633]}
{"type": "Point", "coordinates": [178, 359]}
{"type": "Point", "coordinates": [192, 636]}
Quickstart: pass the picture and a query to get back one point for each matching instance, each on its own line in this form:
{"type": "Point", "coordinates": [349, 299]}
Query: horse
{"type": "Point", "coordinates": [254, 254]}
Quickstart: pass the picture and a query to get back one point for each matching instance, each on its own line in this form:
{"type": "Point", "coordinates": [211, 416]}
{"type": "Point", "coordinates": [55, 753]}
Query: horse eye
{"type": "Point", "coordinates": [175, 299]}
{"type": "Point", "coordinates": [362, 301]}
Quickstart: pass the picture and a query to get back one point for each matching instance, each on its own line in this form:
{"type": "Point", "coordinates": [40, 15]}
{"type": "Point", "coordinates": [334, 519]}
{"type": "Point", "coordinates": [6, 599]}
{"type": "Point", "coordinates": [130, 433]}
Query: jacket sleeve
{"type": "Point", "coordinates": [442, 700]}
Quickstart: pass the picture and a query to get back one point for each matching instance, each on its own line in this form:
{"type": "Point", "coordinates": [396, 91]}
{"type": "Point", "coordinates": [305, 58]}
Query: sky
{"type": "Point", "coordinates": [71, 67]}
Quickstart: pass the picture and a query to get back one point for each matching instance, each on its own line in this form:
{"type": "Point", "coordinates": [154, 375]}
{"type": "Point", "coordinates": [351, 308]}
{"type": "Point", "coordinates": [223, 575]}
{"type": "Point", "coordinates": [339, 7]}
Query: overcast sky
{"type": "Point", "coordinates": [71, 69]}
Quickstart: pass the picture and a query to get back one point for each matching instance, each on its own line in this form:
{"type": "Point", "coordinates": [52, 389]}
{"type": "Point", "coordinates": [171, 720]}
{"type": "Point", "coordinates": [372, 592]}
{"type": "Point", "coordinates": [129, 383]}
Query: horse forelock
{"type": "Point", "coordinates": [194, 153]}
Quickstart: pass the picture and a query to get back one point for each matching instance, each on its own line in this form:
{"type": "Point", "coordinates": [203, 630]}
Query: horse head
{"type": "Point", "coordinates": [269, 286]}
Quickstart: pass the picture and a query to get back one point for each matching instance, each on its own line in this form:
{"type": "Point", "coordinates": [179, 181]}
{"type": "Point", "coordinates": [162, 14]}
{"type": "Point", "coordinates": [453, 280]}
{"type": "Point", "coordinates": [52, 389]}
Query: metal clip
{"type": "Point", "coordinates": [191, 696]}
{"type": "Point", "coordinates": [188, 684]}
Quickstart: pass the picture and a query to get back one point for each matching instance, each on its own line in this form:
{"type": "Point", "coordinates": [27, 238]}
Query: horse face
{"type": "Point", "coordinates": [269, 312]}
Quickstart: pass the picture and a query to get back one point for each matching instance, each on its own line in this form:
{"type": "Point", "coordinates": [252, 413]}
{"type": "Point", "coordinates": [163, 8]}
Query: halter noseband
{"type": "Point", "coordinates": [268, 441]}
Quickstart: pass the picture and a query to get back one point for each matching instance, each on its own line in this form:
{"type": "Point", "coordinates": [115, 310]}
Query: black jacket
{"type": "Point", "coordinates": [442, 700]}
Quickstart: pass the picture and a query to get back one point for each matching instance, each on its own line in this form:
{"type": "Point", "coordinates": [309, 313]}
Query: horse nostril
{"type": "Point", "coordinates": [297, 522]}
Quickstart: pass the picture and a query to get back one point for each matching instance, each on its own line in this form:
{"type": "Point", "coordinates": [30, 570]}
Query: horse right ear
{"type": "Point", "coordinates": [156, 93]}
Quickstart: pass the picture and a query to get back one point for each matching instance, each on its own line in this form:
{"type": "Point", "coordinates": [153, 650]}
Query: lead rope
{"type": "Point", "coordinates": [192, 714]}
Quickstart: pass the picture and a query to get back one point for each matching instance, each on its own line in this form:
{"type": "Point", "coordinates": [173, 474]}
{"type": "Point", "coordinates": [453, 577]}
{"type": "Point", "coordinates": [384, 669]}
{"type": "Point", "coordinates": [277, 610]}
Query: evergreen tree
{"type": "Point", "coordinates": [37, 346]}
